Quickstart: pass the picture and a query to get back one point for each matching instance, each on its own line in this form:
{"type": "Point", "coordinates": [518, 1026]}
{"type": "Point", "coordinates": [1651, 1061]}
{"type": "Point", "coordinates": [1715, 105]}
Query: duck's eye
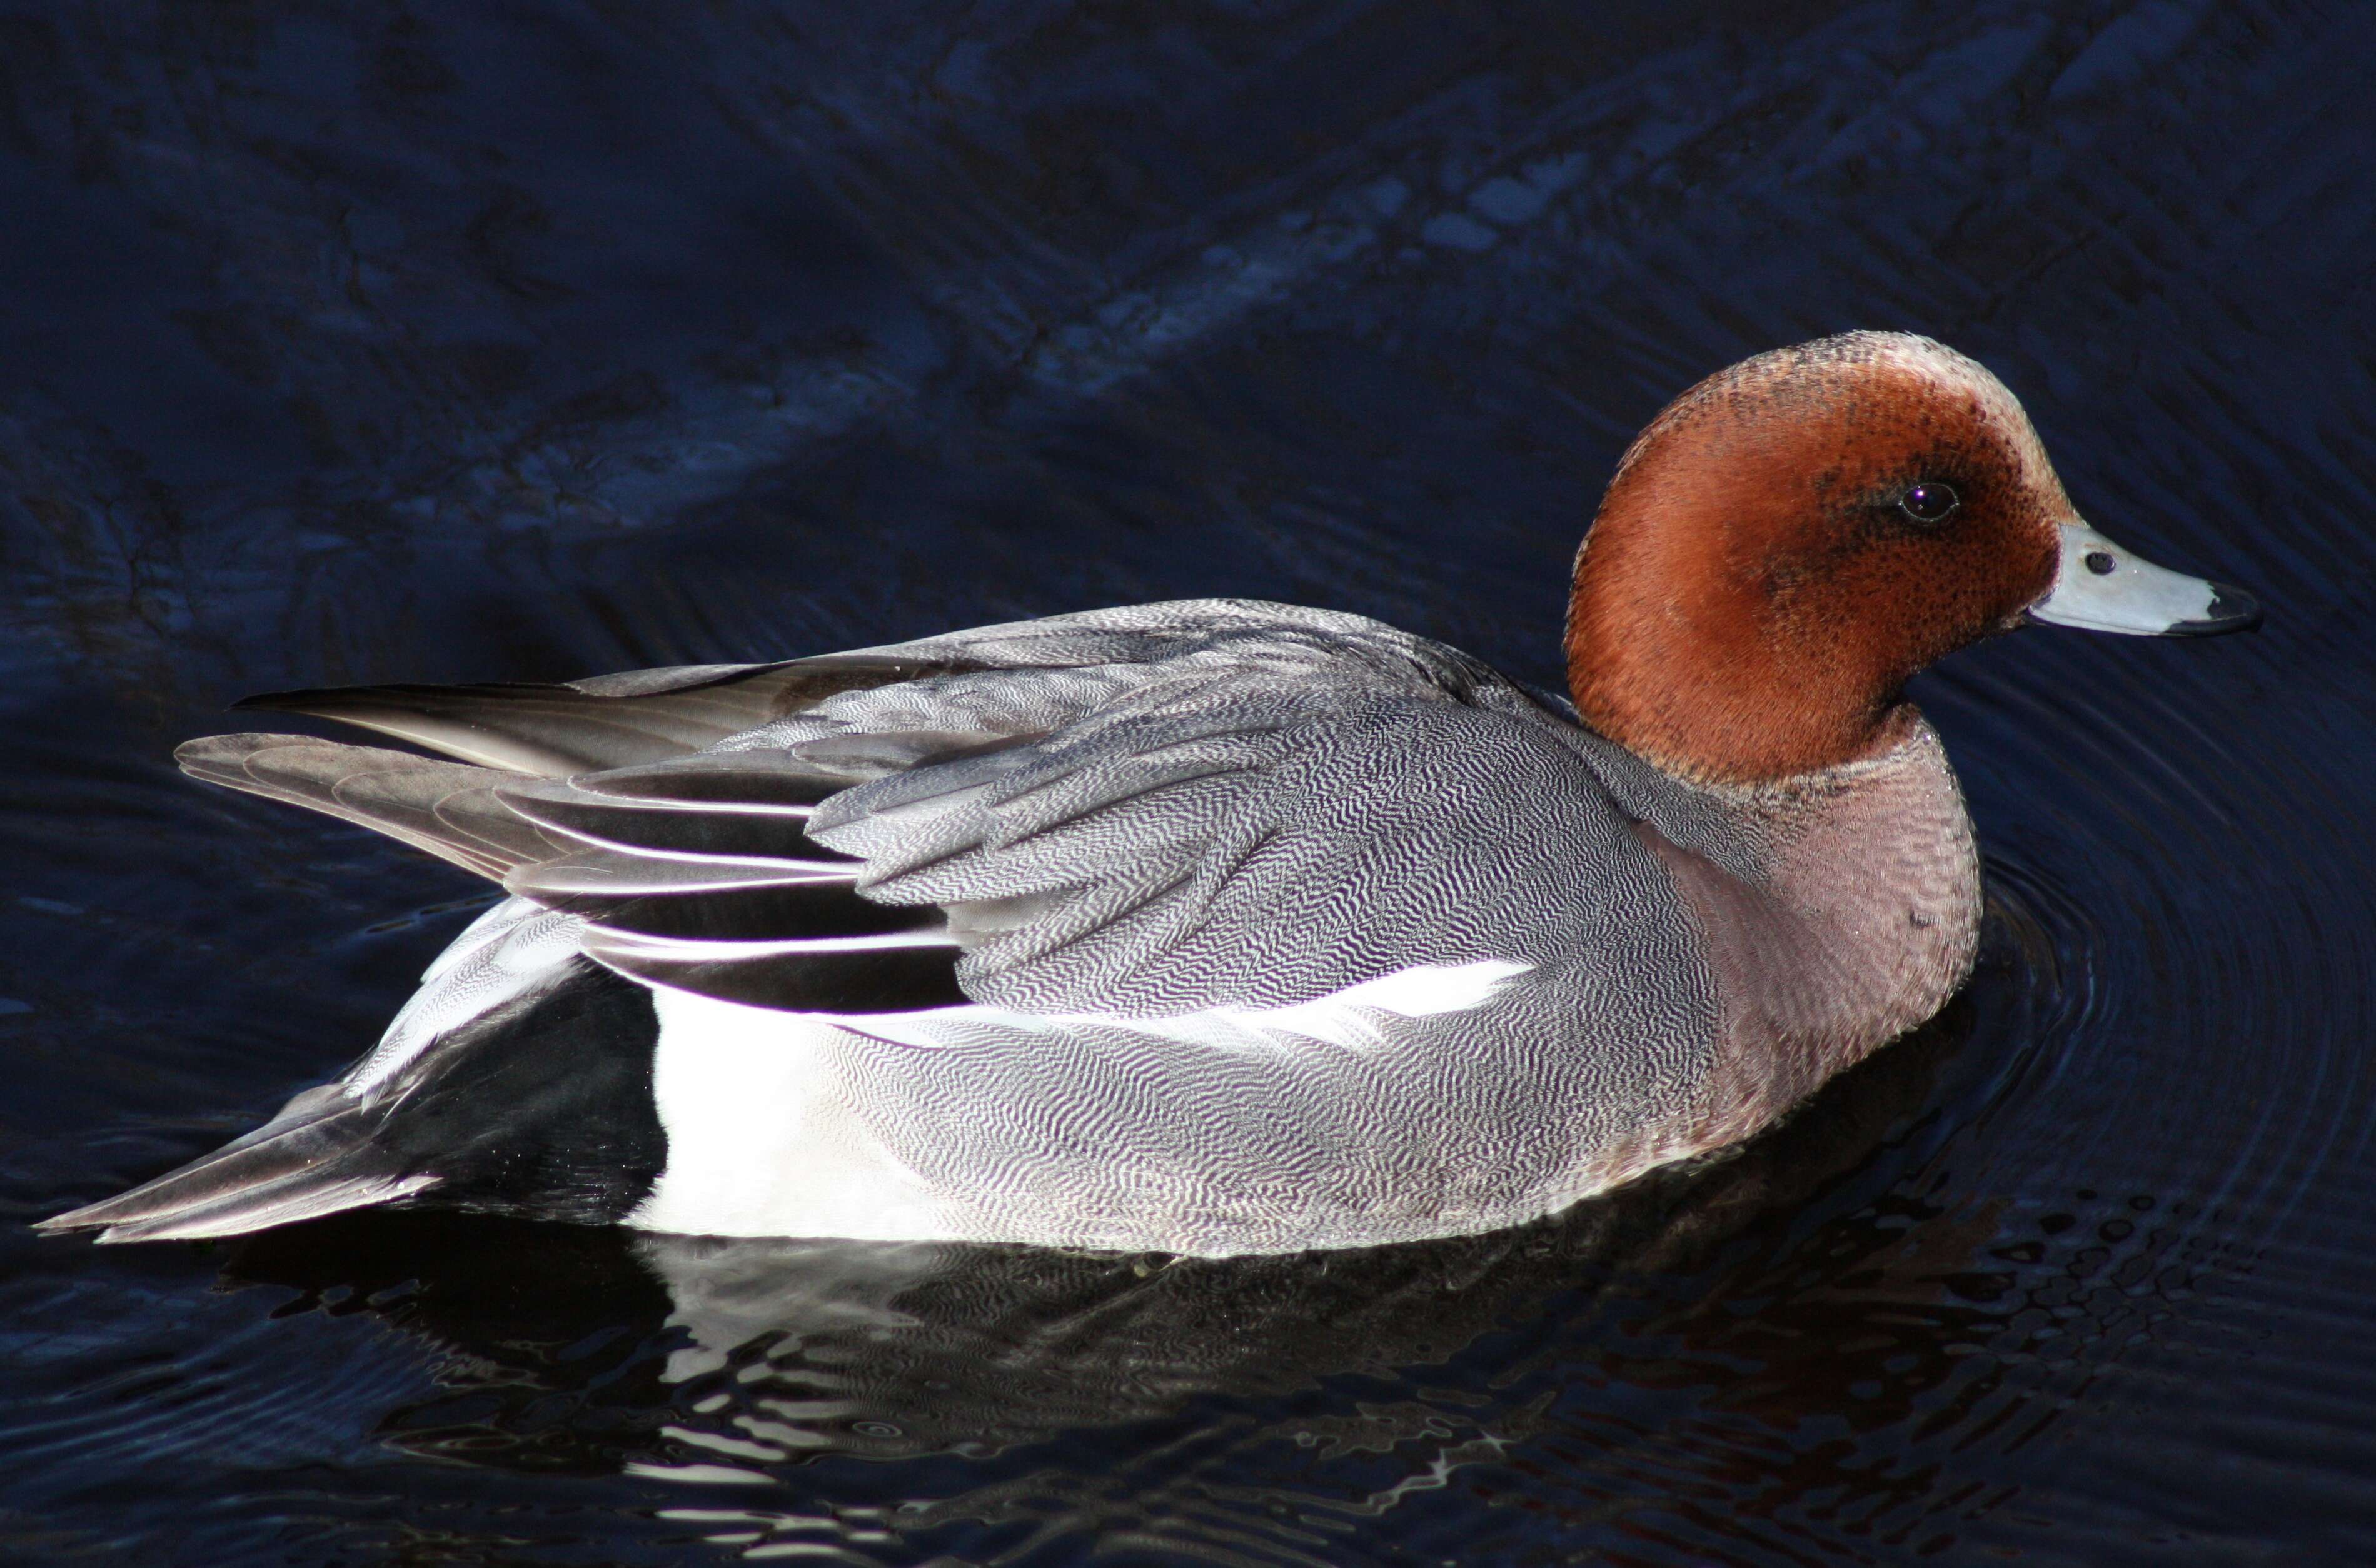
{"type": "Point", "coordinates": [1929, 502]}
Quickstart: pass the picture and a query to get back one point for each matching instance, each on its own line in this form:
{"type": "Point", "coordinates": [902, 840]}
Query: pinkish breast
{"type": "Point", "coordinates": [1860, 923]}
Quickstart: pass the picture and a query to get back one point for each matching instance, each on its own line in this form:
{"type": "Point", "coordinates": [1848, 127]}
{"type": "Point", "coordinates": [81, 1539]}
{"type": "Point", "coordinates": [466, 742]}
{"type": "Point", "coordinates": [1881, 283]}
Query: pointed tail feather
{"type": "Point", "coordinates": [539, 1106]}
{"type": "Point", "coordinates": [313, 1159]}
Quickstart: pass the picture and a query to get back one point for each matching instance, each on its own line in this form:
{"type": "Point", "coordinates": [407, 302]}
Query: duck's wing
{"type": "Point", "coordinates": [1210, 927]}
{"type": "Point", "coordinates": [1135, 813]}
{"type": "Point", "coordinates": [695, 874]}
{"type": "Point", "coordinates": [1262, 816]}
{"type": "Point", "coordinates": [1148, 812]}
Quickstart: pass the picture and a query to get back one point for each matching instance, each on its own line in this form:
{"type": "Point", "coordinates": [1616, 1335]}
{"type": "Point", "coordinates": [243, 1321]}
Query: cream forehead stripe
{"type": "Point", "coordinates": [1941, 364]}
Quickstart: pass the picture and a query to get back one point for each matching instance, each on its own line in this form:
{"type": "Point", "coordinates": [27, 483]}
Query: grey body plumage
{"type": "Point", "coordinates": [1069, 922]}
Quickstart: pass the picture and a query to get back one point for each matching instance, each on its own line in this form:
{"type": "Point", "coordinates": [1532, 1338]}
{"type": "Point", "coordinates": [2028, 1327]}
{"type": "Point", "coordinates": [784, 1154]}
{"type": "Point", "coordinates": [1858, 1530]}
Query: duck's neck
{"type": "Point", "coordinates": [1841, 909]}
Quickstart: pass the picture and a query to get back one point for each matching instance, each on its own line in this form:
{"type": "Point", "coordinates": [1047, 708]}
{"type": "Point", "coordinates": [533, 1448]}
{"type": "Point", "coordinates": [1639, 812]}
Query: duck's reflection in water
{"type": "Point", "coordinates": [709, 1360]}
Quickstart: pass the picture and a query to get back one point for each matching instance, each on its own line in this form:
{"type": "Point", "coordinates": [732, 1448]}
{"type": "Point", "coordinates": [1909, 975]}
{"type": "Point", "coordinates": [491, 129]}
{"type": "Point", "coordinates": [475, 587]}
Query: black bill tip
{"type": "Point", "coordinates": [2231, 610]}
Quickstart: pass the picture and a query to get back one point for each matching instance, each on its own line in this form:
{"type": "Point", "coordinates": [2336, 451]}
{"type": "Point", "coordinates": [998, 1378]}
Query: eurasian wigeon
{"type": "Point", "coordinates": [1214, 926]}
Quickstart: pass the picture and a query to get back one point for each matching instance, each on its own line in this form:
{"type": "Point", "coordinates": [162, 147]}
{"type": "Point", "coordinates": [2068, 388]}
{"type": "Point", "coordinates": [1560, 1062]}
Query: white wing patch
{"type": "Point", "coordinates": [1347, 1017]}
{"type": "Point", "coordinates": [1422, 992]}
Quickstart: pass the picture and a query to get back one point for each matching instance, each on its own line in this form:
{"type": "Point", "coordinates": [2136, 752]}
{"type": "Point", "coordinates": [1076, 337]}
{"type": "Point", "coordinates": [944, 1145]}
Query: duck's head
{"type": "Point", "coordinates": [1793, 538]}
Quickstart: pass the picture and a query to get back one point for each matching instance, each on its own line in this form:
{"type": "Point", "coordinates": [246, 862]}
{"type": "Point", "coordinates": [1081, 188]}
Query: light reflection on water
{"type": "Point", "coordinates": [458, 343]}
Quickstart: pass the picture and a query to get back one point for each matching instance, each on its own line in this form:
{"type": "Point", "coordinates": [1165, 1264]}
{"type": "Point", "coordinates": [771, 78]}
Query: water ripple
{"type": "Point", "coordinates": [460, 343]}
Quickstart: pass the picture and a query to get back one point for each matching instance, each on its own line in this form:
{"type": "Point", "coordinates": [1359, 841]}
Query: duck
{"type": "Point", "coordinates": [1212, 927]}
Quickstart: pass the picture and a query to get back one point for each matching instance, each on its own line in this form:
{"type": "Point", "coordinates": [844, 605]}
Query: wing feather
{"type": "Point", "coordinates": [713, 827]}
{"type": "Point", "coordinates": [446, 808]}
{"type": "Point", "coordinates": [721, 893]}
{"type": "Point", "coordinates": [1135, 813]}
{"type": "Point", "coordinates": [890, 974]}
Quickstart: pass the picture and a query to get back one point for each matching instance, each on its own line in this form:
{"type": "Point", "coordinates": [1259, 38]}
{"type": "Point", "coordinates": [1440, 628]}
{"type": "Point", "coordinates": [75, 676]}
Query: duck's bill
{"type": "Point", "coordinates": [2103, 587]}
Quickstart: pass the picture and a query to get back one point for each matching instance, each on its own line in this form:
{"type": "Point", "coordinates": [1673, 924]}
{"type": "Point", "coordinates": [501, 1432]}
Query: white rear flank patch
{"type": "Point", "coordinates": [761, 1144]}
{"type": "Point", "coordinates": [758, 1142]}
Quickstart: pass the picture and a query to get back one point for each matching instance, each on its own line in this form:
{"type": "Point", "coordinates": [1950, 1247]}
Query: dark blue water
{"type": "Point", "coordinates": [471, 341]}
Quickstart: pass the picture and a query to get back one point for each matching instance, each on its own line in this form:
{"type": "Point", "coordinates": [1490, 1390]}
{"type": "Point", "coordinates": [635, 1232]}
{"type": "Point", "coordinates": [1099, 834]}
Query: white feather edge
{"type": "Point", "coordinates": [683, 950]}
{"type": "Point", "coordinates": [1344, 1017]}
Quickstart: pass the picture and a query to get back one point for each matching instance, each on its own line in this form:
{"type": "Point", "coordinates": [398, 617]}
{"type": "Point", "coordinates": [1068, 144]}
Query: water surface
{"type": "Point", "coordinates": [458, 341]}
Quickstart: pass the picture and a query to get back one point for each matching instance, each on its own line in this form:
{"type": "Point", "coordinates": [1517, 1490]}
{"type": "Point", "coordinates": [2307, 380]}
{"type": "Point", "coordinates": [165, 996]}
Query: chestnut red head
{"type": "Point", "coordinates": [1796, 536]}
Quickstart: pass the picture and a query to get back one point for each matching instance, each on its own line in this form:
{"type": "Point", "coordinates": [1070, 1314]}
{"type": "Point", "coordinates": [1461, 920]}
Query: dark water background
{"type": "Point", "coordinates": [467, 340]}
